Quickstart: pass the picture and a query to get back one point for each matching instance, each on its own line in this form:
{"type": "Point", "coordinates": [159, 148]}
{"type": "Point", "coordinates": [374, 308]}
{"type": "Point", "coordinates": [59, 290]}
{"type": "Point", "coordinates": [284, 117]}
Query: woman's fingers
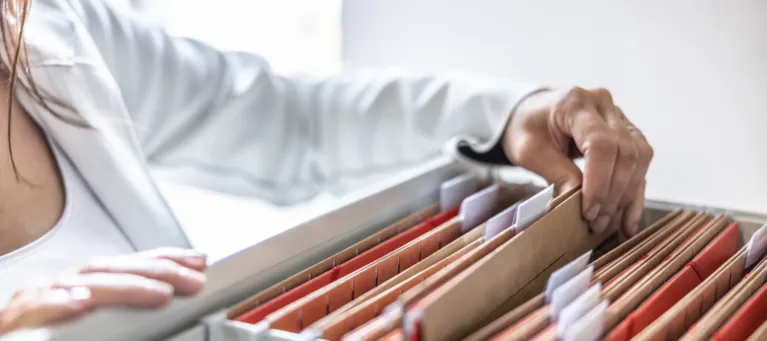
{"type": "Point", "coordinates": [120, 289]}
{"type": "Point", "coordinates": [579, 117]}
{"type": "Point", "coordinates": [163, 276]}
{"type": "Point", "coordinates": [633, 214]}
{"type": "Point", "coordinates": [617, 155]}
{"type": "Point", "coordinates": [146, 280]}
{"type": "Point", "coordinates": [44, 306]}
{"type": "Point", "coordinates": [645, 155]}
{"type": "Point", "coordinates": [185, 257]}
{"type": "Point", "coordinates": [625, 166]}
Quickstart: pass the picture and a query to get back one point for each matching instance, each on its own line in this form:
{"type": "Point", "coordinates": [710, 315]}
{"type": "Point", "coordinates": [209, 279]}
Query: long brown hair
{"type": "Point", "coordinates": [13, 14]}
{"type": "Point", "coordinates": [13, 19]}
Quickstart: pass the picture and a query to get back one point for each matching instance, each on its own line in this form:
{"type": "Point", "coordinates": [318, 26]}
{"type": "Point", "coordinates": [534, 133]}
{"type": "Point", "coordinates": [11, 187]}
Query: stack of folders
{"type": "Point", "coordinates": [501, 262]}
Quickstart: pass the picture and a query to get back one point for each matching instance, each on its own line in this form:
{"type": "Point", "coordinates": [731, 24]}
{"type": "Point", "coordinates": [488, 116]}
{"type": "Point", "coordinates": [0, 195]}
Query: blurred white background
{"type": "Point", "coordinates": [692, 74]}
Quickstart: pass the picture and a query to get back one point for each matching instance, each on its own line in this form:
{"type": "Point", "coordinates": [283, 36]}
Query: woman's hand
{"type": "Point", "coordinates": [551, 128]}
{"type": "Point", "coordinates": [146, 280]}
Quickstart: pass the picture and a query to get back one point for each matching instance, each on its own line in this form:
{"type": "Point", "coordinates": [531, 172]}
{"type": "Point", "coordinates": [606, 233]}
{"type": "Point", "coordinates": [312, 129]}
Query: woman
{"type": "Point", "coordinates": [95, 99]}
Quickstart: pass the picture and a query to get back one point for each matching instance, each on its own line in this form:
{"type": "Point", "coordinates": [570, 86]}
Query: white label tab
{"type": "Point", "coordinates": [590, 327]}
{"type": "Point", "coordinates": [500, 222]}
{"type": "Point", "coordinates": [453, 191]}
{"type": "Point", "coordinates": [478, 207]}
{"type": "Point", "coordinates": [531, 209]}
{"type": "Point", "coordinates": [568, 292]}
{"type": "Point", "coordinates": [756, 246]}
{"type": "Point", "coordinates": [576, 309]}
{"type": "Point", "coordinates": [565, 273]}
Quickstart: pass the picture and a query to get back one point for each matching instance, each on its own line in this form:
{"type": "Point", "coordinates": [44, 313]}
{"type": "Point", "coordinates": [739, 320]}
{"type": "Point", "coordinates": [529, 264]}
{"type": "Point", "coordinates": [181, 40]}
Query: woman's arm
{"type": "Point", "coordinates": [236, 126]}
{"type": "Point", "coordinates": [233, 125]}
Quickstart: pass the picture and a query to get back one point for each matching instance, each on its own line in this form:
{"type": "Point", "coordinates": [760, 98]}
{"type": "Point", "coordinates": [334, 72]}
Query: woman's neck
{"type": "Point", "coordinates": [30, 204]}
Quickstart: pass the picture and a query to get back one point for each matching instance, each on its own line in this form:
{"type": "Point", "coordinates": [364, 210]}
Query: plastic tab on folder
{"type": "Point", "coordinates": [589, 327]}
{"type": "Point", "coordinates": [500, 222]}
{"type": "Point", "coordinates": [479, 288]}
{"type": "Point", "coordinates": [531, 209]}
{"type": "Point", "coordinates": [565, 273]}
{"type": "Point", "coordinates": [478, 207]}
{"type": "Point", "coordinates": [569, 291]}
{"type": "Point", "coordinates": [453, 191]}
{"type": "Point", "coordinates": [577, 309]}
{"type": "Point", "coordinates": [756, 246]}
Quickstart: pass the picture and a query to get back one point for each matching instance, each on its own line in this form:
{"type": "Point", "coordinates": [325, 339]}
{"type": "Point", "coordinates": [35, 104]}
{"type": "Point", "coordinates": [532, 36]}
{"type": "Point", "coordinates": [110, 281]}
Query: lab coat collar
{"type": "Point", "coordinates": [107, 154]}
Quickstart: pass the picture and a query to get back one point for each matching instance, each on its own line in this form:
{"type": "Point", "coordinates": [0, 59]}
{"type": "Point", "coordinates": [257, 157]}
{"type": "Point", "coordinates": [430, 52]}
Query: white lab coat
{"type": "Point", "coordinates": [226, 122]}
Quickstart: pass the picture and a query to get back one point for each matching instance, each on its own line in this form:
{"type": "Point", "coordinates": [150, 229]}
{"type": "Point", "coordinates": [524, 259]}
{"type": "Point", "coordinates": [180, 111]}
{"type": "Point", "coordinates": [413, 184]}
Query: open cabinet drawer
{"type": "Point", "coordinates": [235, 278]}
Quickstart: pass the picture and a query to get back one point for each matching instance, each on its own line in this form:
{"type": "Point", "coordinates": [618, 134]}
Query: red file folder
{"type": "Point", "coordinates": [750, 316]}
{"type": "Point", "coordinates": [354, 264]}
{"type": "Point", "coordinates": [724, 246]}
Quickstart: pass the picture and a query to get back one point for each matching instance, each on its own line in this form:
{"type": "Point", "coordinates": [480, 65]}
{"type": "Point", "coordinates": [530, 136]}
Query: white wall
{"type": "Point", "coordinates": [692, 74]}
{"type": "Point", "coordinates": [294, 35]}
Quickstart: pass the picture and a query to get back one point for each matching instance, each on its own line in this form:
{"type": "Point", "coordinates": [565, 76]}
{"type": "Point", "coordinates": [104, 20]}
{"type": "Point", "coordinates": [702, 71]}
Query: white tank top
{"type": "Point", "coordinates": [84, 230]}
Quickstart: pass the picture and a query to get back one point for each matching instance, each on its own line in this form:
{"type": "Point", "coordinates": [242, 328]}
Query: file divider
{"type": "Point", "coordinates": [246, 273]}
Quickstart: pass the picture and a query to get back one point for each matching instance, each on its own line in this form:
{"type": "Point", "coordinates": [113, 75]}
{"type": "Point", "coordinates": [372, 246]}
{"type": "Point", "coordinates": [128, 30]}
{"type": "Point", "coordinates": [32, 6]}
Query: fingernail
{"type": "Point", "coordinates": [197, 261]}
{"type": "Point", "coordinates": [194, 275]}
{"type": "Point", "coordinates": [592, 213]}
{"type": "Point", "coordinates": [601, 223]}
{"type": "Point", "coordinates": [79, 296]}
{"type": "Point", "coordinates": [80, 293]}
{"type": "Point", "coordinates": [632, 230]}
{"type": "Point", "coordinates": [160, 288]}
{"type": "Point", "coordinates": [59, 296]}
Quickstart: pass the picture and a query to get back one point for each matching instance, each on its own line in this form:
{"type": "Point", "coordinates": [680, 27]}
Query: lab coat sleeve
{"type": "Point", "coordinates": [225, 121]}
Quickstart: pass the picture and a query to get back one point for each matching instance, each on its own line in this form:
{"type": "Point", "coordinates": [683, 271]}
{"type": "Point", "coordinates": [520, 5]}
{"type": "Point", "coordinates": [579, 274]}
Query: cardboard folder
{"type": "Point", "coordinates": [264, 309]}
{"type": "Point", "coordinates": [365, 272]}
{"type": "Point", "coordinates": [716, 298]}
{"type": "Point", "coordinates": [413, 295]}
{"type": "Point", "coordinates": [654, 259]}
{"type": "Point", "coordinates": [705, 328]}
{"type": "Point", "coordinates": [432, 283]}
{"type": "Point", "coordinates": [643, 235]}
{"type": "Point", "coordinates": [361, 314]}
{"type": "Point", "coordinates": [392, 319]}
{"type": "Point", "coordinates": [643, 249]}
{"type": "Point", "coordinates": [606, 260]}
{"type": "Point", "coordinates": [759, 334]}
{"type": "Point", "coordinates": [676, 229]}
{"type": "Point", "coordinates": [381, 325]}
{"type": "Point", "coordinates": [724, 246]}
{"type": "Point", "coordinates": [675, 322]}
{"type": "Point", "coordinates": [621, 307]}
{"type": "Point", "coordinates": [539, 320]}
{"type": "Point", "coordinates": [746, 320]}
{"type": "Point", "coordinates": [624, 331]}
{"type": "Point", "coordinates": [339, 258]}
{"type": "Point", "coordinates": [372, 303]}
{"type": "Point", "coordinates": [510, 274]}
